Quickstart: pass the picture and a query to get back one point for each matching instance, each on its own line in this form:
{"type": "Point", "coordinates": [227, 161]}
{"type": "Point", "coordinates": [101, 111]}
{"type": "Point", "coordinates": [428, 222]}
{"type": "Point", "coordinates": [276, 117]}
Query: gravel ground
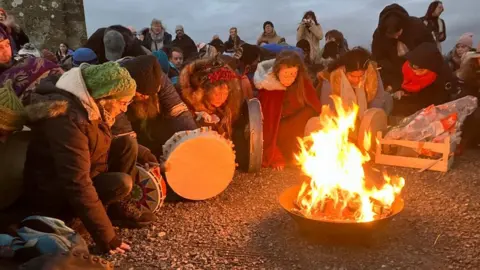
{"type": "Point", "coordinates": [245, 228]}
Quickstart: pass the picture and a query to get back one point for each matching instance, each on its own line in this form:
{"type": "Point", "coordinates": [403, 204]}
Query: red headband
{"type": "Point", "coordinates": [222, 74]}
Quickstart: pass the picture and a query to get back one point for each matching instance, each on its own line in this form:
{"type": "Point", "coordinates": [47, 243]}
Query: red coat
{"type": "Point", "coordinates": [276, 104]}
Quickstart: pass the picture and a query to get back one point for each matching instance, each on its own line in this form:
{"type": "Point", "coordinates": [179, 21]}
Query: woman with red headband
{"type": "Point", "coordinates": [211, 89]}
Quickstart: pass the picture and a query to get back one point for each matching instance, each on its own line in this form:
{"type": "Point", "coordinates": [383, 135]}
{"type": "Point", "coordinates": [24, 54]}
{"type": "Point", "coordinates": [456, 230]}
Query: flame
{"type": "Point", "coordinates": [334, 166]}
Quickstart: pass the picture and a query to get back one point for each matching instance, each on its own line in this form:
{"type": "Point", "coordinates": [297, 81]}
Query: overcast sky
{"type": "Point", "coordinates": [202, 19]}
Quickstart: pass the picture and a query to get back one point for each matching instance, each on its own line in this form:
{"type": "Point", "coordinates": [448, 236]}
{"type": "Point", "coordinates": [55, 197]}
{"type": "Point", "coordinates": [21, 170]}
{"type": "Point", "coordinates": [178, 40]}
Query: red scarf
{"type": "Point", "coordinates": [414, 83]}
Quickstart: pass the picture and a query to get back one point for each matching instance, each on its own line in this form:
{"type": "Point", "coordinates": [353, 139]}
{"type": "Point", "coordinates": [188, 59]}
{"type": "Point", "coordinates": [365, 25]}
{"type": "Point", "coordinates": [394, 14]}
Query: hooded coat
{"type": "Point", "coordinates": [61, 162]}
{"type": "Point", "coordinates": [277, 104]}
{"type": "Point", "coordinates": [429, 57]}
{"type": "Point", "coordinates": [313, 35]}
{"type": "Point", "coordinates": [133, 46]}
{"type": "Point", "coordinates": [384, 49]}
{"type": "Point", "coordinates": [187, 45]}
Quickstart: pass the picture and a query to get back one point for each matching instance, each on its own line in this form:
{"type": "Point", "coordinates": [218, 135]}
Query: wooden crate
{"type": "Point", "coordinates": [443, 164]}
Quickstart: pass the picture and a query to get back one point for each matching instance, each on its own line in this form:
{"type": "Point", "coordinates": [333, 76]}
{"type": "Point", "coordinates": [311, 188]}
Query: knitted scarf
{"type": "Point", "coordinates": [414, 83]}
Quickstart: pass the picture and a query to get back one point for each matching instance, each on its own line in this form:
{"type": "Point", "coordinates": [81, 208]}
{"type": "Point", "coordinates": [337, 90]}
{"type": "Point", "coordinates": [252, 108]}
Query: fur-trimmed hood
{"type": "Point", "coordinates": [264, 77]}
{"type": "Point", "coordinates": [43, 105]}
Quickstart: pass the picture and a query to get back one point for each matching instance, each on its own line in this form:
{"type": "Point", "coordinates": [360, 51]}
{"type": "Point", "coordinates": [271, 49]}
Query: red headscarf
{"type": "Point", "coordinates": [414, 83]}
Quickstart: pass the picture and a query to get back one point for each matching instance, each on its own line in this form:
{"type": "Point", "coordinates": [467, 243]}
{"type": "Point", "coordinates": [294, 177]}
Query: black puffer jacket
{"type": "Point", "coordinates": [133, 46]}
{"type": "Point", "coordinates": [427, 56]}
{"type": "Point", "coordinates": [69, 147]}
{"type": "Point", "coordinates": [384, 49]}
{"type": "Point", "coordinates": [167, 41]}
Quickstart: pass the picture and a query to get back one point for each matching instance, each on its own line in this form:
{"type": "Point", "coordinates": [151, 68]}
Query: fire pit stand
{"type": "Point", "coordinates": [336, 231]}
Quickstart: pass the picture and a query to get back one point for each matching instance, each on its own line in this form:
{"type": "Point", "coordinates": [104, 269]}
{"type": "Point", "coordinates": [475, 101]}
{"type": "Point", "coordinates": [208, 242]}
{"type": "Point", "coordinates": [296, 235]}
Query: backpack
{"type": "Point", "coordinates": [38, 236]}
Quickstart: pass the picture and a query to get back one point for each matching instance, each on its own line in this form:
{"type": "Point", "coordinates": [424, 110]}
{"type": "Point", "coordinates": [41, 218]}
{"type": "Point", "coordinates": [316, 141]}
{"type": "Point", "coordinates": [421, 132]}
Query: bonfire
{"type": "Point", "coordinates": [337, 189]}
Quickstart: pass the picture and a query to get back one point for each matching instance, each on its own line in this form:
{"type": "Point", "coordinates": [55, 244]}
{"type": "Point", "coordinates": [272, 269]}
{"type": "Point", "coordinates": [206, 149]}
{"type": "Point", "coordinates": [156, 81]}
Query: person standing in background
{"type": "Point", "coordinates": [433, 21]}
{"type": "Point", "coordinates": [269, 35]}
{"type": "Point", "coordinates": [185, 43]}
{"type": "Point", "coordinates": [157, 38]}
{"type": "Point", "coordinates": [311, 30]}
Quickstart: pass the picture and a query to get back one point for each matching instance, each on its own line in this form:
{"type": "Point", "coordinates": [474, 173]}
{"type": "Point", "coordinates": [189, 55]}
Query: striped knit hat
{"type": "Point", "coordinates": [12, 112]}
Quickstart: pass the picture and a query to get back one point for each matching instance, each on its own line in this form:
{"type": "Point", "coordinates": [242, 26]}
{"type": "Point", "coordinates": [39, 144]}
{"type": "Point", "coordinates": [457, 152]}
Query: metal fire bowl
{"type": "Point", "coordinates": [335, 228]}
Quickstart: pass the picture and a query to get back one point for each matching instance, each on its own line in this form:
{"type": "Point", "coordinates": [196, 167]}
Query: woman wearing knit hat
{"type": "Point", "coordinates": [70, 168]}
{"type": "Point", "coordinates": [269, 35]}
{"type": "Point", "coordinates": [12, 113]}
{"type": "Point", "coordinates": [463, 45]}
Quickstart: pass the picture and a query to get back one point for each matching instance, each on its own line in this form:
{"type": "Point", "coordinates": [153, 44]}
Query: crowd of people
{"type": "Point", "coordinates": [97, 110]}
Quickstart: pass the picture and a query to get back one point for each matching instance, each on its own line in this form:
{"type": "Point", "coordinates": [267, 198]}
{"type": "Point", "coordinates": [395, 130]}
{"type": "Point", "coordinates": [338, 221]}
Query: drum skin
{"type": "Point", "coordinates": [12, 159]}
{"type": "Point", "coordinates": [200, 164]}
{"type": "Point", "coordinates": [374, 120]}
{"type": "Point", "coordinates": [248, 136]}
{"type": "Point", "coordinates": [149, 190]}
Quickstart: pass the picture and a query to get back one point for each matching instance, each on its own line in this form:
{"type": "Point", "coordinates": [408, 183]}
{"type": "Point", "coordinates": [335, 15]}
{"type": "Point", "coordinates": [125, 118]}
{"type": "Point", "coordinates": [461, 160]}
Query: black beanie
{"type": "Point", "coordinates": [267, 23]}
{"type": "Point", "coordinates": [146, 71]}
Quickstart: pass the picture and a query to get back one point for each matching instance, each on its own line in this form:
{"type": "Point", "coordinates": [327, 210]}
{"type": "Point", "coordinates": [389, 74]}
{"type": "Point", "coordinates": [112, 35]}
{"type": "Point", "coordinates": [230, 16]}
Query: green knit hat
{"type": "Point", "coordinates": [12, 112]}
{"type": "Point", "coordinates": [108, 81]}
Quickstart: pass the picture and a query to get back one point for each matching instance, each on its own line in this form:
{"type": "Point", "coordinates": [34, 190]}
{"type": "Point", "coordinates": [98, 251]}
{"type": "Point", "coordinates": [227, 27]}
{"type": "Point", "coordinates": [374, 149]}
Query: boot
{"type": "Point", "coordinates": [126, 214]}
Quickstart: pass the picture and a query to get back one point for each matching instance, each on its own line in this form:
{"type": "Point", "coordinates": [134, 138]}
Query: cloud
{"type": "Point", "coordinates": [204, 18]}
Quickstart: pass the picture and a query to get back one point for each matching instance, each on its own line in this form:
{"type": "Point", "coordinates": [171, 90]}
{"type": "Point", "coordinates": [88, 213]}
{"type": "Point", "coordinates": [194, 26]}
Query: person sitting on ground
{"type": "Point", "coordinates": [397, 33]}
{"type": "Point", "coordinates": [288, 100]}
{"type": "Point", "coordinates": [81, 55]}
{"type": "Point", "coordinates": [469, 84]}
{"type": "Point", "coordinates": [185, 43]}
{"type": "Point", "coordinates": [113, 43]}
{"type": "Point", "coordinates": [337, 37]}
{"type": "Point", "coordinates": [78, 170]}
{"type": "Point", "coordinates": [464, 45]}
{"type": "Point", "coordinates": [157, 37]}
{"type": "Point", "coordinates": [12, 112]}
{"type": "Point", "coordinates": [433, 21]}
{"type": "Point", "coordinates": [269, 35]}
{"type": "Point", "coordinates": [63, 53]}
{"type": "Point", "coordinates": [354, 78]}
{"type": "Point", "coordinates": [157, 111]}
{"type": "Point", "coordinates": [212, 92]}
{"type": "Point", "coordinates": [427, 80]}
{"type": "Point", "coordinates": [311, 30]}
{"type": "Point", "coordinates": [18, 36]}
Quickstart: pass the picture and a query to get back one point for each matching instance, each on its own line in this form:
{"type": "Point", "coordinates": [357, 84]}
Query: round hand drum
{"type": "Point", "coordinates": [374, 120]}
{"type": "Point", "coordinates": [199, 164]}
{"type": "Point", "coordinates": [248, 136]}
{"type": "Point", "coordinates": [149, 190]}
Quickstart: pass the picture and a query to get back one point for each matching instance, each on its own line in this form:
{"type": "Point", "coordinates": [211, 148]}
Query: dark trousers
{"type": "Point", "coordinates": [112, 186]}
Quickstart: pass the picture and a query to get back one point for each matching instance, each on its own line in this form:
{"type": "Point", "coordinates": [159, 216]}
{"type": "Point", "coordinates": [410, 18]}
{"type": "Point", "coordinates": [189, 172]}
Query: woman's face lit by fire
{"type": "Point", "coordinates": [218, 95]}
{"type": "Point", "coordinates": [355, 78]}
{"type": "Point", "coordinates": [287, 75]}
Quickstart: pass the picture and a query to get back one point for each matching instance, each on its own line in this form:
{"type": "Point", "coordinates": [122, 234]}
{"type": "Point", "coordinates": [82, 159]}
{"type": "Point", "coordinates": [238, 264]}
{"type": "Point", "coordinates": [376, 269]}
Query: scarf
{"type": "Point", "coordinates": [351, 95]}
{"type": "Point", "coordinates": [157, 40]}
{"type": "Point", "coordinates": [414, 83]}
